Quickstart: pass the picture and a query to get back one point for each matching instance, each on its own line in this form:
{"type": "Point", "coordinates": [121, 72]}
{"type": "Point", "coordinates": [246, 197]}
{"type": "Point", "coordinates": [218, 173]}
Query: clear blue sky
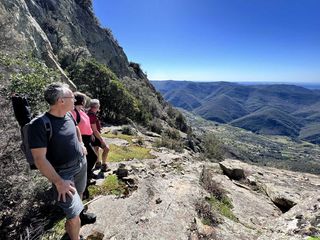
{"type": "Point", "coordinates": [218, 40]}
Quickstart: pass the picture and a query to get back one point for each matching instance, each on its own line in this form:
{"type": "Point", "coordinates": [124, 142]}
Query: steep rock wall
{"type": "Point", "coordinates": [71, 25]}
{"type": "Point", "coordinates": [19, 31]}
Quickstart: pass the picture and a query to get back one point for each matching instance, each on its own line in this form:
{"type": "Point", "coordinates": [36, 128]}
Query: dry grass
{"type": "Point", "coordinates": [125, 153]}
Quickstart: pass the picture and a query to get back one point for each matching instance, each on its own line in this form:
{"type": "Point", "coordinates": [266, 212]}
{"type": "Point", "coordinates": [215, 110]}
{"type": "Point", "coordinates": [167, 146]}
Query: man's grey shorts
{"type": "Point", "coordinates": [78, 174]}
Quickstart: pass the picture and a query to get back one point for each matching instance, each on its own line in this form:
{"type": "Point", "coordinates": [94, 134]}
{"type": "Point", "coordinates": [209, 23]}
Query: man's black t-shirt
{"type": "Point", "coordinates": [63, 147]}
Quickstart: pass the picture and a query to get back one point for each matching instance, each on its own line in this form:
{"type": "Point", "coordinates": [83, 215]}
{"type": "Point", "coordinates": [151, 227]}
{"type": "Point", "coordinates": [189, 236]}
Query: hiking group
{"type": "Point", "coordinates": [64, 143]}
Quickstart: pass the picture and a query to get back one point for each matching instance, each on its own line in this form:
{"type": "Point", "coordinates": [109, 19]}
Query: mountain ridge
{"type": "Point", "coordinates": [275, 109]}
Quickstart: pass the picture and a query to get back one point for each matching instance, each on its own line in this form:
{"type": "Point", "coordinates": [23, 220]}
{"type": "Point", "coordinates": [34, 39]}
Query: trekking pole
{"type": "Point", "coordinates": [93, 200]}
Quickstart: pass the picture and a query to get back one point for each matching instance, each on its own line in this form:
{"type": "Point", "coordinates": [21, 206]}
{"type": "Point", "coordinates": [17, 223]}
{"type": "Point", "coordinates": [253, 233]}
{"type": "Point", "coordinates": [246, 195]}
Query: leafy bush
{"type": "Point", "coordinates": [223, 206]}
{"type": "Point", "coordinates": [181, 123]}
{"type": "Point", "coordinates": [155, 126]}
{"type": "Point", "coordinates": [177, 119]}
{"type": "Point", "coordinates": [172, 133]}
{"type": "Point", "coordinates": [128, 130]}
{"type": "Point", "coordinates": [30, 79]}
{"type": "Point", "coordinates": [167, 142]}
{"type": "Point", "coordinates": [212, 147]}
{"type": "Point", "coordinates": [120, 104]}
{"type": "Point", "coordinates": [98, 81]}
{"type": "Point", "coordinates": [218, 199]}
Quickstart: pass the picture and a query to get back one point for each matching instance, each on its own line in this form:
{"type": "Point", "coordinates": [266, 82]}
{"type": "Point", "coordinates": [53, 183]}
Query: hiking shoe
{"type": "Point", "coordinates": [98, 165]}
{"type": "Point", "coordinates": [94, 176]}
{"type": "Point", "coordinates": [87, 218]}
{"type": "Point", "coordinates": [85, 194]}
{"type": "Point", "coordinates": [92, 182]}
{"type": "Point", "coordinates": [104, 168]}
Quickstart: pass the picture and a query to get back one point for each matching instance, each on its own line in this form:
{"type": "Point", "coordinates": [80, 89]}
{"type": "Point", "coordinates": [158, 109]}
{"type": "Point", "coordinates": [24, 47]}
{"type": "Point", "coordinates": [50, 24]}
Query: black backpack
{"type": "Point", "coordinates": [22, 113]}
{"type": "Point", "coordinates": [21, 109]}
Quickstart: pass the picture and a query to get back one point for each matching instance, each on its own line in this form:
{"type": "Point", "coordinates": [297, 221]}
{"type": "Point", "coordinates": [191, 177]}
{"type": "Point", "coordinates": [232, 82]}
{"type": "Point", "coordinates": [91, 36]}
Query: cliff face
{"type": "Point", "coordinates": [71, 27]}
{"type": "Point", "coordinates": [19, 31]}
{"type": "Point", "coordinates": [62, 31]}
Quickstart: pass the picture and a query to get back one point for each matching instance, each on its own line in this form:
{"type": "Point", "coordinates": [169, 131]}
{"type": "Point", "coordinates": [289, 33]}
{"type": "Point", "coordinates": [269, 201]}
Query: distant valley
{"type": "Point", "coordinates": [273, 151]}
{"type": "Point", "coordinates": [270, 109]}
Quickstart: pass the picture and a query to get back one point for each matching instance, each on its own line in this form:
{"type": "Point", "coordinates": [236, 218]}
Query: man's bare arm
{"type": "Point", "coordinates": [79, 134]}
{"type": "Point", "coordinates": [84, 149]}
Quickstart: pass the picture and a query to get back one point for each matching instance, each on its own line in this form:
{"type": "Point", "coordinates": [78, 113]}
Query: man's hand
{"type": "Point", "coordinates": [84, 150]}
{"type": "Point", "coordinates": [65, 187]}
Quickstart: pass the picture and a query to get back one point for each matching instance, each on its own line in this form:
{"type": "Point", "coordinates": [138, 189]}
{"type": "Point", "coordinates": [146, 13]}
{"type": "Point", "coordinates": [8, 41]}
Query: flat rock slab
{"type": "Point", "coordinates": [163, 206]}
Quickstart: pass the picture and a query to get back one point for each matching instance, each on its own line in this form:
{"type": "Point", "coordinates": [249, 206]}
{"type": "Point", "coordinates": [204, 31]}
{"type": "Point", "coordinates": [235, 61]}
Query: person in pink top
{"type": "Point", "coordinates": [83, 121]}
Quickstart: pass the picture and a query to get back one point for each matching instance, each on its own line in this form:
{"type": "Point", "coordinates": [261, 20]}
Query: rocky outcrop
{"type": "Point", "coordinates": [162, 207]}
{"type": "Point", "coordinates": [59, 28]}
{"type": "Point", "coordinates": [62, 32]}
{"type": "Point", "coordinates": [169, 188]}
{"type": "Point", "coordinates": [20, 31]}
{"type": "Point", "coordinates": [232, 171]}
{"type": "Point", "coordinates": [72, 30]}
{"type": "Point", "coordinates": [277, 204]}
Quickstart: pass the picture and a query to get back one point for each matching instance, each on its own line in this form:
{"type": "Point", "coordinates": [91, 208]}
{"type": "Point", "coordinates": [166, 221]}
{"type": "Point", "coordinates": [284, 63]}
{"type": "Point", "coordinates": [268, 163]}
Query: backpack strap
{"type": "Point", "coordinates": [47, 124]}
{"type": "Point", "coordinates": [78, 119]}
{"type": "Point", "coordinates": [69, 114]}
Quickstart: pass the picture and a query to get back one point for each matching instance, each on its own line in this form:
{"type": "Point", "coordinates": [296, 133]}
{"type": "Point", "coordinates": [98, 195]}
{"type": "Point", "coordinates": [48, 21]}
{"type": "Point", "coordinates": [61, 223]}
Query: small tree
{"type": "Point", "coordinates": [181, 123]}
{"type": "Point", "coordinates": [212, 147]}
{"type": "Point", "coordinates": [98, 81]}
{"type": "Point", "coordinates": [120, 104]}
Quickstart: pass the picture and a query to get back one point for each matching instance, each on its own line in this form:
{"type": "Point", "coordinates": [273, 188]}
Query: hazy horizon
{"type": "Point", "coordinates": [309, 85]}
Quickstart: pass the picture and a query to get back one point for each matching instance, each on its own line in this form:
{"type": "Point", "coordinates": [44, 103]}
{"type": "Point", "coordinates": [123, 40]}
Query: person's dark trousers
{"type": "Point", "coordinates": [91, 159]}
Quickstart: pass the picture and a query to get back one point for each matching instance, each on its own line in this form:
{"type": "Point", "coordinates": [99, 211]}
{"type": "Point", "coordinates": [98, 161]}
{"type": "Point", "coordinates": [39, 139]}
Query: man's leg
{"type": "Point", "coordinates": [73, 228]}
{"type": "Point", "coordinates": [72, 208]}
{"type": "Point", "coordinates": [80, 180]}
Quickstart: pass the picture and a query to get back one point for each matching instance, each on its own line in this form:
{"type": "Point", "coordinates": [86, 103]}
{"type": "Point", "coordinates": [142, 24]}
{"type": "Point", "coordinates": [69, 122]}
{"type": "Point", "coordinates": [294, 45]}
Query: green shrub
{"type": "Point", "coordinates": [218, 200]}
{"type": "Point", "coordinates": [30, 79]}
{"type": "Point", "coordinates": [128, 130]}
{"type": "Point", "coordinates": [156, 126]}
{"type": "Point", "coordinates": [223, 206]}
{"type": "Point", "coordinates": [212, 147]}
{"type": "Point", "coordinates": [98, 81]}
{"type": "Point", "coordinates": [181, 123]}
{"type": "Point", "coordinates": [171, 111]}
{"type": "Point", "coordinates": [167, 142]}
{"type": "Point", "coordinates": [172, 133]}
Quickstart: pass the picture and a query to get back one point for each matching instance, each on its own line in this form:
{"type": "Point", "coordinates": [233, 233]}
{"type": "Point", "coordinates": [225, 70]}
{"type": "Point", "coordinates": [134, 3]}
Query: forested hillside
{"type": "Point", "coordinates": [277, 109]}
